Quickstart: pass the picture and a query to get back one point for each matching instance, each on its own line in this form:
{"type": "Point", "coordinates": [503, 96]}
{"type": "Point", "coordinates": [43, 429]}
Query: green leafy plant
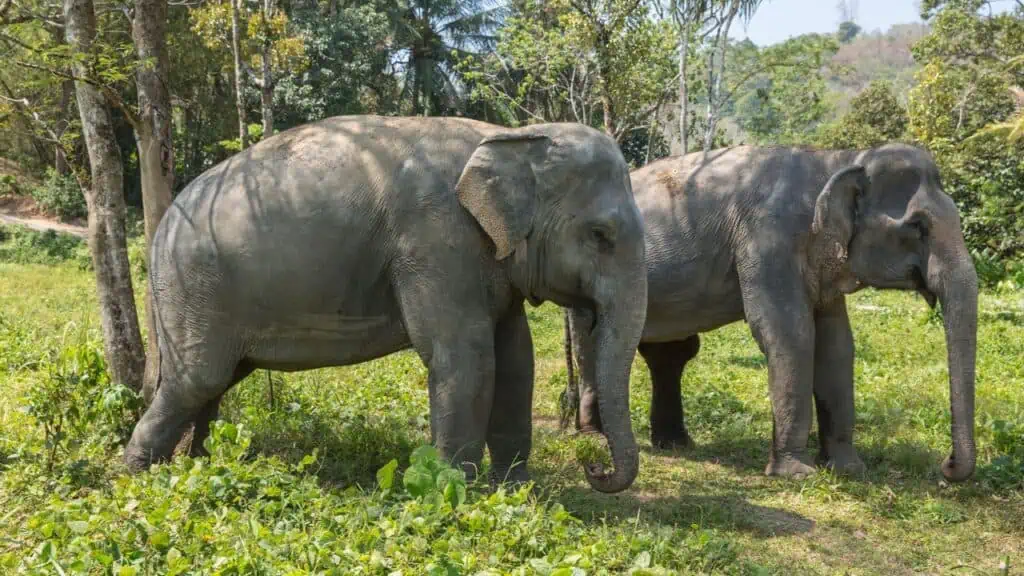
{"type": "Point", "coordinates": [76, 405]}
{"type": "Point", "coordinates": [61, 196]}
{"type": "Point", "coordinates": [22, 245]}
{"type": "Point", "coordinates": [428, 478]}
{"type": "Point", "coordinates": [8, 184]}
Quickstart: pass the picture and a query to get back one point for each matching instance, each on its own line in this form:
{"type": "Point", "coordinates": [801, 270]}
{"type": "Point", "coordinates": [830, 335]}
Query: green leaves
{"type": "Point", "coordinates": [428, 478]}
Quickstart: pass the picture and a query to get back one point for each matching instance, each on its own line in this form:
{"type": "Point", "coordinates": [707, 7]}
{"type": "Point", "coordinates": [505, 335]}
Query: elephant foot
{"type": "Point", "coordinates": [671, 440]}
{"type": "Point", "coordinates": [842, 458]}
{"type": "Point", "coordinates": [513, 477]}
{"type": "Point", "coordinates": [789, 466]}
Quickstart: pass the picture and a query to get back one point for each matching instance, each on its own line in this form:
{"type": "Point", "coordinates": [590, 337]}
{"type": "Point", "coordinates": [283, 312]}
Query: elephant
{"type": "Point", "coordinates": [354, 237]}
{"type": "Point", "coordinates": [778, 236]}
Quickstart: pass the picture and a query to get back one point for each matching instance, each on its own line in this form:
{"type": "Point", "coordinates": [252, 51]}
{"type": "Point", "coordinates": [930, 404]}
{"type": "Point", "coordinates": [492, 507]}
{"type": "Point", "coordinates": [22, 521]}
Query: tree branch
{"type": "Point", "coordinates": [109, 93]}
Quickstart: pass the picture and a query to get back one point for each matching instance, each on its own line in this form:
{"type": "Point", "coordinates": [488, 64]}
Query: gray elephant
{"type": "Point", "coordinates": [778, 237]}
{"type": "Point", "coordinates": [352, 238]}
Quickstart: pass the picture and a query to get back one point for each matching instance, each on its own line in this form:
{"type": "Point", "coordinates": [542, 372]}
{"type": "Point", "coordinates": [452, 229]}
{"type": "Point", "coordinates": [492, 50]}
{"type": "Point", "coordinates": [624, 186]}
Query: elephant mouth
{"type": "Point", "coordinates": [921, 287]}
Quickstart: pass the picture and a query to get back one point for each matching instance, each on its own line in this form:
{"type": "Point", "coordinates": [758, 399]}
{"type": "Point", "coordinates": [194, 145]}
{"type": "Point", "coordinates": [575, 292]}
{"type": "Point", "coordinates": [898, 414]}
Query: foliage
{"type": "Point", "coordinates": [963, 89]}
{"type": "Point", "coordinates": [25, 246]}
{"type": "Point", "coordinates": [847, 32]}
{"type": "Point", "coordinates": [783, 89]}
{"type": "Point", "coordinates": [554, 63]}
{"type": "Point", "coordinates": [77, 407]}
{"type": "Point", "coordinates": [60, 194]}
{"type": "Point", "coordinates": [875, 118]}
{"type": "Point", "coordinates": [211, 22]}
{"type": "Point", "coordinates": [346, 72]}
{"type": "Point", "coordinates": [8, 184]}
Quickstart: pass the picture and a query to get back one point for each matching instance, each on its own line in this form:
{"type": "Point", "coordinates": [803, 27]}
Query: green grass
{"type": "Point", "coordinates": [263, 505]}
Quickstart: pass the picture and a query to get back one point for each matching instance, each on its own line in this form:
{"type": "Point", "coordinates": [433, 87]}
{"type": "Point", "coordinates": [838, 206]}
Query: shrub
{"type": "Point", "coordinates": [77, 406]}
{"type": "Point", "coordinates": [21, 245]}
{"type": "Point", "coordinates": [60, 195]}
{"type": "Point", "coordinates": [8, 184]}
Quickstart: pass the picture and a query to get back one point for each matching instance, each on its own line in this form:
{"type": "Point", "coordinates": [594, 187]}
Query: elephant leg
{"type": "Point", "coordinates": [666, 362]}
{"type": "Point", "coordinates": [450, 327]}
{"type": "Point", "coordinates": [185, 395]}
{"type": "Point", "coordinates": [510, 429]}
{"type": "Point", "coordinates": [588, 417]}
{"type": "Point", "coordinates": [782, 323]}
{"type": "Point", "coordinates": [210, 412]}
{"type": "Point", "coordinates": [833, 389]}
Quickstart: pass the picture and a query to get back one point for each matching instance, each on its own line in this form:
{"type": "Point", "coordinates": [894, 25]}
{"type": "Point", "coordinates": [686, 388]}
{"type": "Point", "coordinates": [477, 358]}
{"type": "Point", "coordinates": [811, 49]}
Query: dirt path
{"type": "Point", "coordinates": [43, 225]}
{"type": "Point", "coordinates": [22, 211]}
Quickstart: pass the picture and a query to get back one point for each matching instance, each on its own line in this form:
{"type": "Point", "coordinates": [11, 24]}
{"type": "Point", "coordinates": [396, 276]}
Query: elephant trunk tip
{"type": "Point", "coordinates": [958, 469]}
{"type": "Point", "coordinates": [627, 465]}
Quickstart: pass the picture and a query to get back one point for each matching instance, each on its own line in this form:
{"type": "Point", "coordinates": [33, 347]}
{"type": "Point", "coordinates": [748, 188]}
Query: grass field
{"type": "Point", "coordinates": [263, 505]}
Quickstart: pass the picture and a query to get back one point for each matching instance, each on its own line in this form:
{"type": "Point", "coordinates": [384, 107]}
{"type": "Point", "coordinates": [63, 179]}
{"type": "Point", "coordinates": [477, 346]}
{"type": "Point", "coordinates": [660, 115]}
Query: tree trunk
{"type": "Point", "coordinates": [603, 69]}
{"type": "Point", "coordinates": [236, 51]}
{"type": "Point", "coordinates": [715, 78]}
{"type": "Point", "coordinates": [67, 92]}
{"type": "Point", "coordinates": [154, 139]}
{"type": "Point", "coordinates": [104, 196]}
{"type": "Point", "coordinates": [684, 104]}
{"type": "Point", "coordinates": [267, 88]}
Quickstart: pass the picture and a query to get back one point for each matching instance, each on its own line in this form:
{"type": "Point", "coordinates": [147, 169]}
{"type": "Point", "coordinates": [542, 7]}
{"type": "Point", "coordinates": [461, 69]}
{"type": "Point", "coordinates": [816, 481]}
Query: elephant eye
{"type": "Point", "coordinates": [603, 238]}
{"type": "Point", "coordinates": [919, 226]}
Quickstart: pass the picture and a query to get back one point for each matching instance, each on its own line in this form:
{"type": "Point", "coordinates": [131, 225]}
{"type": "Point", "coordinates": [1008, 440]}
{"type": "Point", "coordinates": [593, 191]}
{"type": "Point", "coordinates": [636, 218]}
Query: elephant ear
{"type": "Point", "coordinates": [836, 208]}
{"type": "Point", "coordinates": [498, 186]}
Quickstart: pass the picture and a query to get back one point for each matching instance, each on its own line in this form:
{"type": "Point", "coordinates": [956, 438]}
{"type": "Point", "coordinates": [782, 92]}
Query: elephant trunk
{"type": "Point", "coordinates": [953, 279]}
{"type": "Point", "coordinates": [617, 332]}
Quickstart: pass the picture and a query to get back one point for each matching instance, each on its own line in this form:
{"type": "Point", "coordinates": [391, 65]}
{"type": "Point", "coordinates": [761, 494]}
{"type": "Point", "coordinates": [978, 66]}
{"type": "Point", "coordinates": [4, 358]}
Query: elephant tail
{"type": "Point", "coordinates": [568, 400]}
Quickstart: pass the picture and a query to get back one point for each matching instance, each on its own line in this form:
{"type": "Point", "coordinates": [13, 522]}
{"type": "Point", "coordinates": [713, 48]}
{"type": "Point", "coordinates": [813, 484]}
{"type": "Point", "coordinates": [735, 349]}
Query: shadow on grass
{"type": "Point", "coordinates": [727, 511]}
{"type": "Point", "coordinates": [753, 361]}
{"type": "Point", "coordinates": [350, 447]}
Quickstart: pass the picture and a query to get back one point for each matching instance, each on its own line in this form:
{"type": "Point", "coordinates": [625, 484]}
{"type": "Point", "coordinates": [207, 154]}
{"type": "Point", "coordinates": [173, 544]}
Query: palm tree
{"type": "Point", "coordinates": [434, 35]}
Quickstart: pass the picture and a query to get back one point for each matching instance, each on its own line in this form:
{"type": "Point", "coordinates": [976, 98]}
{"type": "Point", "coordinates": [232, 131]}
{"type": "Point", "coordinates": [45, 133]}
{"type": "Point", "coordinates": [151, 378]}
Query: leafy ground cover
{"type": "Point", "coordinates": [324, 472]}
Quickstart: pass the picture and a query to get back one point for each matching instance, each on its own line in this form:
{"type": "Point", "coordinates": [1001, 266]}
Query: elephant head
{"type": "Point", "coordinates": [557, 203]}
{"type": "Point", "coordinates": [892, 226]}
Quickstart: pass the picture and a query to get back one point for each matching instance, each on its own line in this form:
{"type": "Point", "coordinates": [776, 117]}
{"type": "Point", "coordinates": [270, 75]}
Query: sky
{"type": "Point", "coordinates": [777, 20]}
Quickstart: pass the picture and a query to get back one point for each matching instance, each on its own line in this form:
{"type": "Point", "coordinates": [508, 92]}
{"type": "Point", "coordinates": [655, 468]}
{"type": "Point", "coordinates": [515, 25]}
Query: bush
{"type": "Point", "coordinates": [21, 245]}
{"type": "Point", "coordinates": [76, 405]}
{"type": "Point", "coordinates": [61, 196]}
{"type": "Point", "coordinates": [8, 184]}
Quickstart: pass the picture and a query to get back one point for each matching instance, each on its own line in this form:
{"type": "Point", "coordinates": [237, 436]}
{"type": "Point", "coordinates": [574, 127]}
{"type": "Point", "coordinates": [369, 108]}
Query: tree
{"type": "Point", "coordinates": [847, 32]}
{"type": "Point", "coordinates": [606, 64]}
{"type": "Point", "coordinates": [968, 84]}
{"type": "Point", "coordinates": [153, 136]}
{"type": "Point", "coordinates": [105, 197]}
{"type": "Point", "coordinates": [848, 28]}
{"type": "Point", "coordinates": [781, 91]}
{"type": "Point", "coordinates": [721, 14]}
{"type": "Point", "coordinates": [436, 35]}
{"type": "Point", "coordinates": [236, 52]}
{"type": "Point", "coordinates": [875, 117]}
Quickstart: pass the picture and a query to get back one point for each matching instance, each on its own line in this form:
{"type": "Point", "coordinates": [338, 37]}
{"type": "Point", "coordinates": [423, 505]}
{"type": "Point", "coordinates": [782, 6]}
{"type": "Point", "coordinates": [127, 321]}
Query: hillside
{"type": "Point", "coordinates": [877, 56]}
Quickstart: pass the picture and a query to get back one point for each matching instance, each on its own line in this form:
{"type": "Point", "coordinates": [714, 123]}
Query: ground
{"type": "Point", "coordinates": [263, 508]}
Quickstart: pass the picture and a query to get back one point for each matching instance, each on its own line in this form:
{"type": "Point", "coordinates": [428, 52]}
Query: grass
{"type": "Point", "coordinates": [295, 488]}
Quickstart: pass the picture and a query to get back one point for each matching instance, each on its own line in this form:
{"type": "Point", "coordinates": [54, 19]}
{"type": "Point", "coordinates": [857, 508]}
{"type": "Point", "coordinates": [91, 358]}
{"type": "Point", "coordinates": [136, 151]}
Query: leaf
{"type": "Point", "coordinates": [386, 475]}
{"type": "Point", "coordinates": [452, 483]}
{"type": "Point", "coordinates": [78, 526]}
{"type": "Point", "coordinates": [160, 539]}
{"type": "Point", "coordinates": [642, 560]}
{"type": "Point", "coordinates": [417, 481]}
{"type": "Point", "coordinates": [425, 455]}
